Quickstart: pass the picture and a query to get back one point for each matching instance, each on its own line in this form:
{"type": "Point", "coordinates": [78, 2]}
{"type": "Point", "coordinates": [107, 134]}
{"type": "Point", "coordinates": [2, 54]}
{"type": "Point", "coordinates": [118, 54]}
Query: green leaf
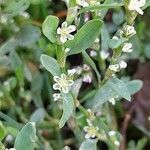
{"type": "Point", "coordinates": [76, 87]}
{"type": "Point", "coordinates": [89, 144]}
{"type": "Point", "coordinates": [28, 35]}
{"type": "Point", "coordinates": [36, 89]}
{"type": "Point", "coordinates": [25, 139]}
{"type": "Point", "coordinates": [17, 66]}
{"type": "Point", "coordinates": [8, 46]}
{"type": "Point", "coordinates": [2, 131]}
{"type": "Point", "coordinates": [49, 27]}
{"type": "Point", "coordinates": [85, 37]}
{"type": "Point", "coordinates": [99, 7]}
{"type": "Point", "coordinates": [68, 106]}
{"type": "Point", "coordinates": [16, 7]}
{"type": "Point", "coordinates": [115, 43]}
{"type": "Point", "coordinates": [120, 88]}
{"type": "Point", "coordinates": [134, 86]}
{"type": "Point", "coordinates": [50, 65]}
{"type": "Point", "coordinates": [38, 115]}
{"type": "Point", "coordinates": [147, 50]}
{"type": "Point", "coordinates": [103, 95]}
{"type": "Point", "coordinates": [2, 146]}
{"type": "Point", "coordinates": [92, 64]}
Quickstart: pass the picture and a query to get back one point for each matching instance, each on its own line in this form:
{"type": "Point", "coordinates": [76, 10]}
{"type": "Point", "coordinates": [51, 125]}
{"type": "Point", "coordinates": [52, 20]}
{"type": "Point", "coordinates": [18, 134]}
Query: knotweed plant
{"type": "Point", "coordinates": [77, 37]}
{"type": "Point", "coordinates": [82, 33]}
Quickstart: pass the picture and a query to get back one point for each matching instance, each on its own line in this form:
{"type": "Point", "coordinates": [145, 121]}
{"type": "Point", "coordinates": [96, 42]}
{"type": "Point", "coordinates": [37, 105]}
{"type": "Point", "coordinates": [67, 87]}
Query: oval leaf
{"type": "Point", "coordinates": [134, 86]}
{"type": "Point", "coordinates": [50, 65]}
{"type": "Point", "coordinates": [89, 144]}
{"type": "Point", "coordinates": [25, 139]}
{"type": "Point", "coordinates": [49, 27]}
{"type": "Point", "coordinates": [120, 88]}
{"type": "Point", "coordinates": [68, 105]}
{"type": "Point", "coordinates": [85, 37]}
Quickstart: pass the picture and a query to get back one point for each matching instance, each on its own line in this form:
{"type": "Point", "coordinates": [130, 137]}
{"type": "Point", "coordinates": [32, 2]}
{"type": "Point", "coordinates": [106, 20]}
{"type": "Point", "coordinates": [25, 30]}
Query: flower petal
{"type": "Point", "coordinates": [71, 28]}
{"type": "Point", "coordinates": [63, 38]}
{"type": "Point", "coordinates": [56, 86]}
{"type": "Point", "coordinates": [56, 78]}
{"type": "Point", "coordinates": [65, 89]}
{"type": "Point", "coordinates": [59, 30]}
{"type": "Point", "coordinates": [64, 25]}
{"type": "Point", "coordinates": [69, 37]}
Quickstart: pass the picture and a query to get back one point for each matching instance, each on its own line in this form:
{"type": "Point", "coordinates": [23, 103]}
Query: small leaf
{"type": "Point", "coordinates": [25, 139]}
{"type": "Point", "coordinates": [120, 87]}
{"type": "Point", "coordinates": [8, 46]}
{"type": "Point", "coordinates": [38, 115]}
{"type": "Point", "coordinates": [115, 43]}
{"type": "Point", "coordinates": [28, 35]}
{"type": "Point", "coordinates": [103, 95]}
{"type": "Point", "coordinates": [16, 7]}
{"type": "Point", "coordinates": [76, 87]}
{"type": "Point", "coordinates": [50, 65]}
{"type": "Point", "coordinates": [85, 37]}
{"type": "Point", "coordinates": [49, 27]}
{"type": "Point", "coordinates": [2, 131]}
{"type": "Point", "coordinates": [102, 6]}
{"type": "Point", "coordinates": [89, 144]}
{"type": "Point", "coordinates": [68, 106]}
{"type": "Point", "coordinates": [134, 86]}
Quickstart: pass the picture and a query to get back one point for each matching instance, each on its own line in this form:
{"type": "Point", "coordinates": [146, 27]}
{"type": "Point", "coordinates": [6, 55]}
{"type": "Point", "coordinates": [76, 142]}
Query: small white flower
{"type": "Point", "coordinates": [71, 72]}
{"type": "Point", "coordinates": [10, 149]}
{"type": "Point", "coordinates": [86, 67]}
{"type": "Point", "coordinates": [57, 96]}
{"type": "Point", "coordinates": [93, 53]}
{"type": "Point", "coordinates": [115, 38]}
{"type": "Point", "coordinates": [66, 148]}
{"type": "Point", "coordinates": [122, 64]}
{"type": "Point", "coordinates": [25, 14]}
{"type": "Point", "coordinates": [117, 143]}
{"type": "Point", "coordinates": [90, 130]}
{"type": "Point", "coordinates": [112, 133]}
{"type": "Point", "coordinates": [104, 55]}
{"type": "Point", "coordinates": [112, 100]}
{"type": "Point", "coordinates": [62, 83]}
{"type": "Point", "coordinates": [67, 50]}
{"type": "Point", "coordinates": [127, 47]}
{"type": "Point", "coordinates": [129, 30]}
{"type": "Point", "coordinates": [135, 5]}
{"type": "Point", "coordinates": [83, 3]}
{"type": "Point", "coordinates": [78, 70]}
{"type": "Point", "coordinates": [65, 31]}
{"type": "Point", "coordinates": [114, 67]}
{"type": "Point", "coordinates": [86, 3]}
{"type": "Point", "coordinates": [96, 40]}
{"type": "Point", "coordinates": [4, 18]}
{"type": "Point", "coordinates": [87, 78]}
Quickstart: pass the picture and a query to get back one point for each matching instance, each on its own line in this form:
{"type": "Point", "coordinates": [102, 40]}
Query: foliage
{"type": "Point", "coordinates": [65, 68]}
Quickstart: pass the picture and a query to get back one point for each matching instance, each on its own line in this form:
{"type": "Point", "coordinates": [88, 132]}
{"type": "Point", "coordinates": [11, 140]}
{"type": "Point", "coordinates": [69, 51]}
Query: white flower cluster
{"type": "Point", "coordinates": [127, 31]}
{"type": "Point", "coordinates": [65, 31]}
{"type": "Point", "coordinates": [135, 5]}
{"type": "Point", "coordinates": [117, 67]}
{"type": "Point", "coordinates": [91, 130]}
